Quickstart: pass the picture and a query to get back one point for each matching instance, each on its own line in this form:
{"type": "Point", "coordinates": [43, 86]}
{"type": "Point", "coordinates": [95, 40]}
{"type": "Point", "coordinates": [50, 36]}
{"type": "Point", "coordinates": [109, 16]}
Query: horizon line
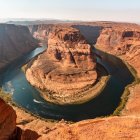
{"type": "Point", "coordinates": [60, 19]}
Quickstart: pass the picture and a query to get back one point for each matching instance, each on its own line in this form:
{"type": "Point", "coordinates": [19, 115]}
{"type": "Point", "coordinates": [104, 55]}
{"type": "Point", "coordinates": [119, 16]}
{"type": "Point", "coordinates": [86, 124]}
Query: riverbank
{"type": "Point", "coordinates": [126, 98]}
{"type": "Point", "coordinates": [86, 95]}
{"type": "Point", "coordinates": [132, 105]}
{"type": "Point", "coordinates": [7, 97]}
{"type": "Point", "coordinates": [27, 120]}
{"type": "Point", "coordinates": [126, 94]}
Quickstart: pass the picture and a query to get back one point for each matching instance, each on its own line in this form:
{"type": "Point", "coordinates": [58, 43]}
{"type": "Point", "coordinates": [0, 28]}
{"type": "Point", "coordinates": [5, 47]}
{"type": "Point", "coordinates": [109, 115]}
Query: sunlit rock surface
{"type": "Point", "coordinates": [67, 67]}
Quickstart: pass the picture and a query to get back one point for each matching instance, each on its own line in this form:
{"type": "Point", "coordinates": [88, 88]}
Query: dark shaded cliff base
{"type": "Point", "coordinates": [15, 42]}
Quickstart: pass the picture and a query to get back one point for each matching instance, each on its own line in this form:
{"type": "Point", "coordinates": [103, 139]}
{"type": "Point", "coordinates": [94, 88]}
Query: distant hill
{"type": "Point", "coordinates": [37, 22]}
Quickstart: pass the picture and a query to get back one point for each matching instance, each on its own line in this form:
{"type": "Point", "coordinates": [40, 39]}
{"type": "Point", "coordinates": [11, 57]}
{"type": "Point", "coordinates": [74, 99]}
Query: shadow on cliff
{"type": "Point", "coordinates": [91, 33]}
{"type": "Point", "coordinates": [28, 134]}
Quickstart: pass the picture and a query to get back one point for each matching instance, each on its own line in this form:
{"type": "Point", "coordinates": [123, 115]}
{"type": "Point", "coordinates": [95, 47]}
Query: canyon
{"type": "Point", "coordinates": [119, 39]}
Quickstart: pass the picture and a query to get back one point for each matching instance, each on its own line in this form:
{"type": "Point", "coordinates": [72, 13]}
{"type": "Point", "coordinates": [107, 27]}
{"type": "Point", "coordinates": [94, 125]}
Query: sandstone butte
{"type": "Point", "coordinates": [66, 68]}
{"type": "Point", "coordinates": [15, 41]}
{"type": "Point", "coordinates": [123, 127]}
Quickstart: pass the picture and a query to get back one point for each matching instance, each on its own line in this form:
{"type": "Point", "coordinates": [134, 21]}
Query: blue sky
{"type": "Point", "coordinates": [91, 10]}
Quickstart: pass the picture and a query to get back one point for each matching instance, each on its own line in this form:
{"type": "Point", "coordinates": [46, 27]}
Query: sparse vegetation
{"type": "Point", "coordinates": [23, 68]}
{"type": "Point", "coordinates": [5, 96]}
{"type": "Point", "coordinates": [126, 93]}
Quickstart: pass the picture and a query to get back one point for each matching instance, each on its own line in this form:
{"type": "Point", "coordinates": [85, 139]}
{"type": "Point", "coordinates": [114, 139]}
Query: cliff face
{"type": "Point", "coordinates": [15, 41]}
{"type": "Point", "coordinates": [133, 57]}
{"type": "Point", "coordinates": [118, 40]}
{"type": "Point", "coordinates": [7, 121]}
{"type": "Point", "coordinates": [122, 41]}
{"type": "Point", "coordinates": [67, 67]}
{"type": "Point", "coordinates": [41, 32]}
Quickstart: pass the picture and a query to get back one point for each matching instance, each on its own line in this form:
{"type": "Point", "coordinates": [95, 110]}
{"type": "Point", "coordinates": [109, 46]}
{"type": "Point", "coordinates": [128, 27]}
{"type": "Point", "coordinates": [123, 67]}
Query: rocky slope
{"type": "Point", "coordinates": [66, 68]}
{"type": "Point", "coordinates": [15, 41]}
{"type": "Point", "coordinates": [111, 128]}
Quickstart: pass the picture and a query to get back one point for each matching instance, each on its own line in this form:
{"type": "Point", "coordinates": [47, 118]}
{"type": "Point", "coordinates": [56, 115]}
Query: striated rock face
{"type": "Point", "coordinates": [15, 41]}
{"type": "Point", "coordinates": [132, 57]}
{"type": "Point", "coordinates": [7, 121]}
{"type": "Point", "coordinates": [119, 40]}
{"type": "Point", "coordinates": [67, 67]}
{"type": "Point", "coordinates": [122, 41]}
{"type": "Point", "coordinates": [41, 32]}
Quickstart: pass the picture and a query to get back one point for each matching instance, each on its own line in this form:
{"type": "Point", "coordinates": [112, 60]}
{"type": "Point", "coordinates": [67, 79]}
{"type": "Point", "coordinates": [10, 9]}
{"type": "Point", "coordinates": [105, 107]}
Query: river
{"type": "Point", "coordinates": [23, 94]}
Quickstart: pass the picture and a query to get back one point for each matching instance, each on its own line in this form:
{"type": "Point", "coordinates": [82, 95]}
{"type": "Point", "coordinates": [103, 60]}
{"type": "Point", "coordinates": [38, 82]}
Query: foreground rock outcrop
{"type": "Point", "coordinates": [29, 127]}
{"type": "Point", "coordinates": [66, 68]}
{"type": "Point", "coordinates": [15, 41]}
{"type": "Point", "coordinates": [7, 121]}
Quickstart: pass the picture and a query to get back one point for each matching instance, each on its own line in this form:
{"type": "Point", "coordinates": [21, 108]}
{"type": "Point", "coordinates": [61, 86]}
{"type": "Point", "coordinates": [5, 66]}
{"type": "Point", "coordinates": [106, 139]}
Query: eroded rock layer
{"type": "Point", "coordinates": [67, 67]}
{"type": "Point", "coordinates": [119, 40]}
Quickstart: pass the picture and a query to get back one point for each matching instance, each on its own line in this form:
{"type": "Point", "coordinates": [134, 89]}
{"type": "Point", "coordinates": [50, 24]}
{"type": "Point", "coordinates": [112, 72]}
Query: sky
{"type": "Point", "coordinates": [86, 10]}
